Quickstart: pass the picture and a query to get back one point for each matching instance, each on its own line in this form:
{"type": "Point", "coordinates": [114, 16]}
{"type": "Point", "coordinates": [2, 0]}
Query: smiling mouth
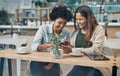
{"type": "Point", "coordinates": [80, 25]}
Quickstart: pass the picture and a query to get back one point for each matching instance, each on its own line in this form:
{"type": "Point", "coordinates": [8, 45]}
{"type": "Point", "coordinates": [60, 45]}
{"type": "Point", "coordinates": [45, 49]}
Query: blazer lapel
{"type": "Point", "coordinates": [73, 37]}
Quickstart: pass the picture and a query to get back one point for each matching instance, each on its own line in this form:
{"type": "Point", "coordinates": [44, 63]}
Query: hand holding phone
{"type": "Point", "coordinates": [65, 42]}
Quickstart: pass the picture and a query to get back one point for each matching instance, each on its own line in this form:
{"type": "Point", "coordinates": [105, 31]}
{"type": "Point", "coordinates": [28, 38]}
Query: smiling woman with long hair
{"type": "Point", "coordinates": [87, 37]}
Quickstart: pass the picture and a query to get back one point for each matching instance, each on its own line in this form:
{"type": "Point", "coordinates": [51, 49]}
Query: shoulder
{"type": "Point", "coordinates": [99, 31]}
{"type": "Point", "coordinates": [43, 27]}
{"type": "Point", "coordinates": [99, 27]}
{"type": "Point", "coordinates": [65, 30]}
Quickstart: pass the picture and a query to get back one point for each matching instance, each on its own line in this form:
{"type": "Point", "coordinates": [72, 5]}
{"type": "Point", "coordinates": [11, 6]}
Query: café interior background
{"type": "Point", "coordinates": [22, 11]}
{"type": "Point", "coordinates": [105, 10]}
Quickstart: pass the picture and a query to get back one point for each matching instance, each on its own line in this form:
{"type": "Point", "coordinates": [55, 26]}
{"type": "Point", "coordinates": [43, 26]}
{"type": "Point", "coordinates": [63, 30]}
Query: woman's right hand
{"type": "Point", "coordinates": [44, 46]}
{"type": "Point", "coordinates": [65, 42]}
{"type": "Point", "coordinates": [66, 48]}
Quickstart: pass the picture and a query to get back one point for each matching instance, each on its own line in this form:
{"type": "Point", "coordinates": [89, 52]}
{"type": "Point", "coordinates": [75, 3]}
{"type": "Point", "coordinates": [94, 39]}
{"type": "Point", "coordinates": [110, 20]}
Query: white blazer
{"type": "Point", "coordinates": [97, 39]}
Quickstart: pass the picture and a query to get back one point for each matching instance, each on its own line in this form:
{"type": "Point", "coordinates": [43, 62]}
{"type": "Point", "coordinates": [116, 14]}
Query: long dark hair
{"type": "Point", "coordinates": [91, 22]}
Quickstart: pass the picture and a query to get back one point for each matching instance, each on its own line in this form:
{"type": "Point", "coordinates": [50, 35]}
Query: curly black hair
{"type": "Point", "coordinates": [61, 12]}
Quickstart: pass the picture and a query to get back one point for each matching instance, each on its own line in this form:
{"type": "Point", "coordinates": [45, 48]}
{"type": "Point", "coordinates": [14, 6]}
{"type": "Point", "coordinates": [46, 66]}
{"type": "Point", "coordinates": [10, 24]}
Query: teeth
{"type": "Point", "coordinates": [79, 24]}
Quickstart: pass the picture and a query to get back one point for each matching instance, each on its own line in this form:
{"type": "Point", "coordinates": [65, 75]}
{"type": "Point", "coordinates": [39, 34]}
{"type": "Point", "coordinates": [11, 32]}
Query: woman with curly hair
{"type": "Point", "coordinates": [41, 43]}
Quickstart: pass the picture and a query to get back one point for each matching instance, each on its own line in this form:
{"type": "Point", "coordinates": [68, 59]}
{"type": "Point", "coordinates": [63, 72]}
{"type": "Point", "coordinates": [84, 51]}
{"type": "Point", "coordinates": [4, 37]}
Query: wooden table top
{"type": "Point", "coordinates": [67, 59]}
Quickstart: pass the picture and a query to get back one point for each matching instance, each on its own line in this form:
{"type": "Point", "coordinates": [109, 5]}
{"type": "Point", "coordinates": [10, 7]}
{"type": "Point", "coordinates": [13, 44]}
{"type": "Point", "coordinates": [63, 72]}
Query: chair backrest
{"type": "Point", "coordinates": [117, 34]}
{"type": "Point", "coordinates": [29, 42]}
{"type": "Point", "coordinates": [108, 51]}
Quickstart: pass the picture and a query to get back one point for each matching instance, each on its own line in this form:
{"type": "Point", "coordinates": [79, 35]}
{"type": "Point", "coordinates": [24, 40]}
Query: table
{"type": "Point", "coordinates": [46, 57]}
{"type": "Point", "coordinates": [9, 40]}
{"type": "Point", "coordinates": [67, 59]}
{"type": "Point", "coordinates": [72, 60]}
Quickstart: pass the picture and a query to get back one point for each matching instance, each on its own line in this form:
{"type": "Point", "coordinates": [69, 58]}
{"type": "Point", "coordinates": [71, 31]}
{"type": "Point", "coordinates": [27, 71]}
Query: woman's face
{"type": "Point", "coordinates": [80, 20]}
{"type": "Point", "coordinates": [59, 24]}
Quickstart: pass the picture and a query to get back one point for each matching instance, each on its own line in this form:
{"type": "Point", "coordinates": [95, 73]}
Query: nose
{"type": "Point", "coordinates": [78, 21]}
{"type": "Point", "coordinates": [61, 26]}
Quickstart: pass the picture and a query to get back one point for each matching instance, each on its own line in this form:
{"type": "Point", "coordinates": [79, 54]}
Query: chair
{"type": "Point", "coordinates": [27, 71]}
{"type": "Point", "coordinates": [117, 34]}
{"type": "Point", "coordinates": [2, 60]}
{"type": "Point", "coordinates": [108, 51]}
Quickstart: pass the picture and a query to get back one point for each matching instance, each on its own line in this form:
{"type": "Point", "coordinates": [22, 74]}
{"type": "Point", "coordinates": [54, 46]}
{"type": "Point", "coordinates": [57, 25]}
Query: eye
{"type": "Point", "coordinates": [79, 19]}
{"type": "Point", "coordinates": [58, 26]}
{"type": "Point", "coordinates": [64, 23]}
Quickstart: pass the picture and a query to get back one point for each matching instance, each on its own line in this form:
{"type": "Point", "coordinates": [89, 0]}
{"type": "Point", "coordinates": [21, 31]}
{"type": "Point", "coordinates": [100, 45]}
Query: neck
{"type": "Point", "coordinates": [83, 31]}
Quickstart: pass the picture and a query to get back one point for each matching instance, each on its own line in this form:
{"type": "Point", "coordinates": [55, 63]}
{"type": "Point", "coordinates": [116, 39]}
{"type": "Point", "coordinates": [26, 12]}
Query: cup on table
{"type": "Point", "coordinates": [77, 52]}
{"type": "Point", "coordinates": [22, 50]}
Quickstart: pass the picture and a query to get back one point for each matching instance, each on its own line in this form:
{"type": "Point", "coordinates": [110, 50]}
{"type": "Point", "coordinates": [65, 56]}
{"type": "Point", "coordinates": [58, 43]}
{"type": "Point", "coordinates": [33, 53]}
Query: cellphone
{"type": "Point", "coordinates": [98, 57]}
{"type": "Point", "coordinates": [62, 44]}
